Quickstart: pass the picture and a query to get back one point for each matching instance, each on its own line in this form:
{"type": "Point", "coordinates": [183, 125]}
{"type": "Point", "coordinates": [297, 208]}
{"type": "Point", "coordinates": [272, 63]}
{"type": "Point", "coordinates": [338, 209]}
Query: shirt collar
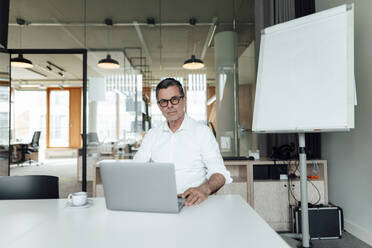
{"type": "Point", "coordinates": [184, 126]}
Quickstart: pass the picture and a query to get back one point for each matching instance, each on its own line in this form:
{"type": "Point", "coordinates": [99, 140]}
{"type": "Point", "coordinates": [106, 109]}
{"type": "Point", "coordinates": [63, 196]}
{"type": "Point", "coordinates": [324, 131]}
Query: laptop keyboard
{"type": "Point", "coordinates": [181, 202]}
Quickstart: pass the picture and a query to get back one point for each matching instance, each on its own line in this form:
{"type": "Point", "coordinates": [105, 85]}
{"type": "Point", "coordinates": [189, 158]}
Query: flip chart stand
{"type": "Point", "coordinates": [303, 185]}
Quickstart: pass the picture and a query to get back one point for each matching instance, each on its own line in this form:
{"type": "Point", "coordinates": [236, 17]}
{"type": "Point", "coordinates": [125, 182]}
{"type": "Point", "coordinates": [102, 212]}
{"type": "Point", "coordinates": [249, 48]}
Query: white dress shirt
{"type": "Point", "coordinates": [192, 148]}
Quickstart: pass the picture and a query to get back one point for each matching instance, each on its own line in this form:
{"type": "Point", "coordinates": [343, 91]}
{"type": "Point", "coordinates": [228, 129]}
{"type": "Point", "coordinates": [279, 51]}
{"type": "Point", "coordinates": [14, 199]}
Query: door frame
{"type": "Point", "coordinates": [84, 53]}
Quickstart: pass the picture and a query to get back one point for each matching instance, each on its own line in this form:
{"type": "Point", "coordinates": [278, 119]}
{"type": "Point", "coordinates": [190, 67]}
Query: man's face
{"type": "Point", "coordinates": [171, 112]}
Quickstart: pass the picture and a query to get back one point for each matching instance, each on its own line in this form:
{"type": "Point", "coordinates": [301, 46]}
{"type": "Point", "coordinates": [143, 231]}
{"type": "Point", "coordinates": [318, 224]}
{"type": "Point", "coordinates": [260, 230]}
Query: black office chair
{"type": "Point", "coordinates": [28, 187]}
{"type": "Point", "coordinates": [33, 147]}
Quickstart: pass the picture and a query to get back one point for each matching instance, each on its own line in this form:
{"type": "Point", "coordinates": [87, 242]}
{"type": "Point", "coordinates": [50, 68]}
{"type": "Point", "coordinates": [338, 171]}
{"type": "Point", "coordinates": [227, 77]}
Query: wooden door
{"type": "Point", "coordinates": [75, 117]}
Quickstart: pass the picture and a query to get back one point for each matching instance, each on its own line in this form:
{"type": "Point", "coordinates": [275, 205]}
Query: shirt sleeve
{"type": "Point", "coordinates": [144, 152]}
{"type": "Point", "coordinates": [211, 156]}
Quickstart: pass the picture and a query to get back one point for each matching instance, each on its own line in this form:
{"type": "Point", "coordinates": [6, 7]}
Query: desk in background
{"type": "Point", "coordinates": [4, 166]}
{"type": "Point", "coordinates": [18, 152]}
{"type": "Point", "coordinates": [268, 197]}
{"type": "Point", "coordinates": [219, 222]}
{"type": "Point", "coordinates": [95, 155]}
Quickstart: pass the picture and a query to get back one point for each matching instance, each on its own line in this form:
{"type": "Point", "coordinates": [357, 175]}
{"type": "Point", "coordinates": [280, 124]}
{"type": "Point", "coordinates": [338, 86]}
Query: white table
{"type": "Point", "coordinates": [220, 221]}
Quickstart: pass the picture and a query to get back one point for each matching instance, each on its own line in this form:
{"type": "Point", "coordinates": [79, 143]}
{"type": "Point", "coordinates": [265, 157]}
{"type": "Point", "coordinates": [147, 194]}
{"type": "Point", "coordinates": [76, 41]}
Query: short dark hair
{"type": "Point", "coordinates": [165, 83]}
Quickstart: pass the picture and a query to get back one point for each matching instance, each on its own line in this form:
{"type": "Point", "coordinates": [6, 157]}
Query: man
{"type": "Point", "coordinates": [191, 146]}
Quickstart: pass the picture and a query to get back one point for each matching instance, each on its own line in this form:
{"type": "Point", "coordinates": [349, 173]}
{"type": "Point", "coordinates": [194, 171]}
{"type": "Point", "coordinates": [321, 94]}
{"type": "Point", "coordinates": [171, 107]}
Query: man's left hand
{"type": "Point", "coordinates": [195, 195]}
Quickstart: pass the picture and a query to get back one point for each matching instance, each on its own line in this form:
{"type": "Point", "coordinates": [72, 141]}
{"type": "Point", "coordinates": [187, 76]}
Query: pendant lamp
{"type": "Point", "coordinates": [108, 63]}
{"type": "Point", "coordinates": [193, 63]}
{"type": "Point", "coordinates": [21, 62]}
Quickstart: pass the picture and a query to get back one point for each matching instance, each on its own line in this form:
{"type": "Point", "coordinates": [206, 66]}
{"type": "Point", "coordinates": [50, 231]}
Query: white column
{"type": "Point", "coordinates": [117, 116]}
{"type": "Point", "coordinates": [226, 65]}
{"type": "Point", "coordinates": [92, 117]}
{"type": "Point", "coordinates": [96, 92]}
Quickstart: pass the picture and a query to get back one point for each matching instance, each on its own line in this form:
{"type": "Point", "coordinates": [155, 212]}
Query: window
{"type": "Point", "coordinates": [59, 118]}
{"type": "Point", "coordinates": [156, 116]}
{"type": "Point", "coordinates": [29, 115]}
{"type": "Point", "coordinates": [197, 97]}
{"type": "Point", "coordinates": [119, 115]}
{"type": "Point", "coordinates": [106, 111]}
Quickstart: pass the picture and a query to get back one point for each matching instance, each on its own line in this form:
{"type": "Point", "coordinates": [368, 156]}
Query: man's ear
{"type": "Point", "coordinates": [184, 103]}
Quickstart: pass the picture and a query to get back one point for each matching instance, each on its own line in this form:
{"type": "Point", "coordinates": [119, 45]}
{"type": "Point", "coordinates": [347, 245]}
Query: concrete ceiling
{"type": "Point", "coordinates": [80, 24]}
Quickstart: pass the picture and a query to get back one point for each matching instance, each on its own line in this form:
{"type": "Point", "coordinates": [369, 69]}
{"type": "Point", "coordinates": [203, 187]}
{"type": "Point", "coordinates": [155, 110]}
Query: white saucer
{"type": "Point", "coordinates": [86, 205]}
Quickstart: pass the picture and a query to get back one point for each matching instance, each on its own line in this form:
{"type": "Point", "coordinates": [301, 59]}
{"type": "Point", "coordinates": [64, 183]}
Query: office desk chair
{"type": "Point", "coordinates": [32, 150]}
{"type": "Point", "coordinates": [92, 139]}
{"type": "Point", "coordinates": [28, 187]}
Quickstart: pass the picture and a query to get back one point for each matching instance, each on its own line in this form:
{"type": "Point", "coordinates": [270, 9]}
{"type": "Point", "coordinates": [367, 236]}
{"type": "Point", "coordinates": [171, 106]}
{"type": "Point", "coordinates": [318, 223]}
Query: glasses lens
{"type": "Point", "coordinates": [163, 102]}
{"type": "Point", "coordinates": [175, 100]}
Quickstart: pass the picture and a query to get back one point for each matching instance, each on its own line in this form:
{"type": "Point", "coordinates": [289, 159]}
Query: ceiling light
{"type": "Point", "coordinates": [29, 86]}
{"type": "Point", "coordinates": [108, 63]}
{"type": "Point", "coordinates": [192, 21]}
{"type": "Point", "coordinates": [193, 63]}
{"type": "Point", "coordinates": [21, 62]}
{"type": "Point", "coordinates": [54, 65]}
{"type": "Point", "coordinates": [151, 22]}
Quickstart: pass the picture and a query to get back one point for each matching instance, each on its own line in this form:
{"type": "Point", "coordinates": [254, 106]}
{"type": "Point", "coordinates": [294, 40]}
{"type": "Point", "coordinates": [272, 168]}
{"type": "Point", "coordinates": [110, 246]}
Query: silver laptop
{"type": "Point", "coordinates": [135, 186]}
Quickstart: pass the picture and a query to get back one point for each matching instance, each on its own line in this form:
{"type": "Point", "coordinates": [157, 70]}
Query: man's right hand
{"type": "Point", "coordinates": [195, 195]}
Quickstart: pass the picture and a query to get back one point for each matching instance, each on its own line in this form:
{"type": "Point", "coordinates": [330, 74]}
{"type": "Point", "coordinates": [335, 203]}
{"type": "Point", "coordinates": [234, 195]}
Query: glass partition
{"type": "Point", "coordinates": [4, 114]}
{"type": "Point", "coordinates": [115, 104]}
{"type": "Point", "coordinates": [28, 115]}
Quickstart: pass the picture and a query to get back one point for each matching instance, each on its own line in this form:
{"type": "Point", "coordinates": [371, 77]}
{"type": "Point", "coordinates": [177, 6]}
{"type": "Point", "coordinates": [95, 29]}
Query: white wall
{"type": "Point", "coordinates": [349, 155]}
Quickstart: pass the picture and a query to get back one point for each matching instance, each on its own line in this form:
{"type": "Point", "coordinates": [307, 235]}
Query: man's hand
{"type": "Point", "coordinates": [195, 195]}
{"type": "Point", "coordinates": [198, 194]}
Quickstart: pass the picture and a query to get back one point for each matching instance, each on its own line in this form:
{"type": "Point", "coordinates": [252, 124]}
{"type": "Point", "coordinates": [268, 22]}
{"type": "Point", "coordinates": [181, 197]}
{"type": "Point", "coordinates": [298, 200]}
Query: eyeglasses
{"type": "Point", "coordinates": [174, 100]}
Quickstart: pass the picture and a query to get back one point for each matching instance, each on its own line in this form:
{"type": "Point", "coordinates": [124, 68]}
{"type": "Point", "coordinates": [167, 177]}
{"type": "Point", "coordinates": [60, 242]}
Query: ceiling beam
{"type": "Point", "coordinates": [90, 63]}
{"type": "Point", "coordinates": [142, 40]}
{"type": "Point", "coordinates": [208, 40]}
{"type": "Point", "coordinates": [55, 80]}
{"type": "Point", "coordinates": [119, 24]}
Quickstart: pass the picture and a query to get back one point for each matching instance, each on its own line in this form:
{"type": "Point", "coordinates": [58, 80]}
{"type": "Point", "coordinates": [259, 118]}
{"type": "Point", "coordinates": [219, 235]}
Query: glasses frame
{"type": "Point", "coordinates": [176, 100]}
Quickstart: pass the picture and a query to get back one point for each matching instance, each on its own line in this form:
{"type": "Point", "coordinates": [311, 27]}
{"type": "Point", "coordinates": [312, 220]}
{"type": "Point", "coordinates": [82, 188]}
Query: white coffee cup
{"type": "Point", "coordinates": [78, 198]}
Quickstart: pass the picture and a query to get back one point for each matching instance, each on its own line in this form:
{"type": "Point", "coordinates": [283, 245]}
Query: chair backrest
{"type": "Point", "coordinates": [92, 139]}
{"type": "Point", "coordinates": [28, 187]}
{"type": "Point", "coordinates": [35, 139]}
